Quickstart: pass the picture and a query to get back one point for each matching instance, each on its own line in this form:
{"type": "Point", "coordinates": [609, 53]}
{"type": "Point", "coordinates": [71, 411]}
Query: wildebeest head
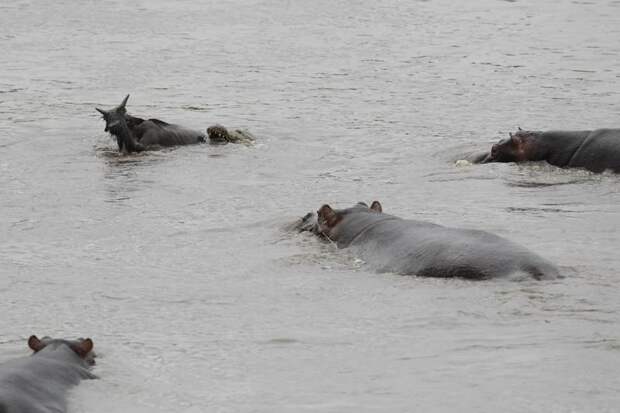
{"type": "Point", "coordinates": [518, 147]}
{"type": "Point", "coordinates": [83, 347]}
{"type": "Point", "coordinates": [114, 116]}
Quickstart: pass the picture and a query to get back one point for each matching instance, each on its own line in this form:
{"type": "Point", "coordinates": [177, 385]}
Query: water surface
{"type": "Point", "coordinates": [176, 263]}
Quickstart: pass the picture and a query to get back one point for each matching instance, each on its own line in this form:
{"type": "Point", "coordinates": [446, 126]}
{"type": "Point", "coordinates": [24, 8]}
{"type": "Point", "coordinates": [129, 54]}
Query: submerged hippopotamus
{"type": "Point", "coordinates": [403, 246]}
{"type": "Point", "coordinates": [39, 383]}
{"type": "Point", "coordinates": [596, 150]}
{"type": "Point", "coordinates": [135, 134]}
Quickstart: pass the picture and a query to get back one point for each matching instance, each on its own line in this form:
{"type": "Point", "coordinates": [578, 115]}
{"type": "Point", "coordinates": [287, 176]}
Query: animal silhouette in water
{"type": "Point", "coordinates": [135, 134]}
{"type": "Point", "coordinates": [39, 383]}
{"type": "Point", "coordinates": [392, 244]}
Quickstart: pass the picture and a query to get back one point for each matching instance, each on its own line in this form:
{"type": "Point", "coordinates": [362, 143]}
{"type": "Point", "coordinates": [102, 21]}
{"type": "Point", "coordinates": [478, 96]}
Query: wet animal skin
{"type": "Point", "coordinates": [597, 150]}
{"type": "Point", "coordinates": [39, 383]}
{"type": "Point", "coordinates": [410, 247]}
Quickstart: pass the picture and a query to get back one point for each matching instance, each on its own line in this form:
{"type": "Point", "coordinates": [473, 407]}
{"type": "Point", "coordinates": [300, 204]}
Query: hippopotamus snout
{"type": "Point", "coordinates": [308, 223]}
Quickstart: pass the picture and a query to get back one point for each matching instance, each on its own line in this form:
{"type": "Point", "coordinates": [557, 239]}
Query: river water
{"type": "Point", "coordinates": [178, 264]}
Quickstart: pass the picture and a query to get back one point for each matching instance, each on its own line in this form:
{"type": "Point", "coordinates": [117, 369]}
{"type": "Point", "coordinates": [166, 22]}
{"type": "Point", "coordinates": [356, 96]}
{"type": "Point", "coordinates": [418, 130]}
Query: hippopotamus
{"type": "Point", "coordinates": [410, 247]}
{"type": "Point", "coordinates": [597, 150]}
{"type": "Point", "coordinates": [135, 134]}
{"type": "Point", "coordinates": [39, 383]}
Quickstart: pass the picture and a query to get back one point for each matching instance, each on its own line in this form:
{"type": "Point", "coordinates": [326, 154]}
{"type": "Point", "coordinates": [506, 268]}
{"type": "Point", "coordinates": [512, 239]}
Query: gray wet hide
{"type": "Point", "coordinates": [597, 150]}
{"type": "Point", "coordinates": [391, 244]}
{"type": "Point", "coordinates": [154, 132]}
{"type": "Point", "coordinates": [135, 134]}
{"type": "Point", "coordinates": [39, 383]}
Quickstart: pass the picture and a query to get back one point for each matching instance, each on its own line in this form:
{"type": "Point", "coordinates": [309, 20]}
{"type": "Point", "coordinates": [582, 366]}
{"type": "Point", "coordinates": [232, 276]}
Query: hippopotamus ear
{"type": "Point", "coordinates": [84, 347]}
{"type": "Point", "coordinates": [327, 215]}
{"type": "Point", "coordinates": [376, 206]}
{"type": "Point", "coordinates": [35, 344]}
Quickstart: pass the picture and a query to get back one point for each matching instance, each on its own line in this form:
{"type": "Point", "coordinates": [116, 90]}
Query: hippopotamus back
{"type": "Point", "coordinates": [39, 383]}
{"type": "Point", "coordinates": [556, 147]}
{"type": "Point", "coordinates": [599, 151]}
{"type": "Point", "coordinates": [389, 243]}
{"type": "Point", "coordinates": [421, 248]}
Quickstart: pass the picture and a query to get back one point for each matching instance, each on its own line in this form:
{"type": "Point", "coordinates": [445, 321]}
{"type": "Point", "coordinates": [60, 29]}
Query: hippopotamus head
{"type": "Point", "coordinates": [113, 117]}
{"type": "Point", "coordinates": [325, 219]}
{"type": "Point", "coordinates": [83, 347]}
{"type": "Point", "coordinates": [218, 134]}
{"type": "Point", "coordinates": [308, 223]}
{"type": "Point", "coordinates": [518, 147]}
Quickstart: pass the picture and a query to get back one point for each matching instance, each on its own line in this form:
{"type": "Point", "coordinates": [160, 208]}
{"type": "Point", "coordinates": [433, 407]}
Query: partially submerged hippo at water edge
{"type": "Point", "coordinates": [392, 244]}
{"type": "Point", "coordinates": [135, 134]}
{"type": "Point", "coordinates": [596, 150]}
{"type": "Point", "coordinates": [39, 383]}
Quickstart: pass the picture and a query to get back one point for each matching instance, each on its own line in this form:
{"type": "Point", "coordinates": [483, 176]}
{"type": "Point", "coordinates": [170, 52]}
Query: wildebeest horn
{"type": "Point", "coordinates": [510, 134]}
{"type": "Point", "coordinates": [124, 102]}
{"type": "Point", "coordinates": [103, 112]}
{"type": "Point", "coordinates": [519, 127]}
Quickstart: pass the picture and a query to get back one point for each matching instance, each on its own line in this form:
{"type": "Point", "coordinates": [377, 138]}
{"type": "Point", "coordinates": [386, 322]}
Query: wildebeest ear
{"type": "Point", "coordinates": [328, 215]}
{"type": "Point", "coordinates": [35, 344]}
{"type": "Point", "coordinates": [84, 347]}
{"type": "Point", "coordinates": [103, 112]}
{"type": "Point", "coordinates": [376, 206]}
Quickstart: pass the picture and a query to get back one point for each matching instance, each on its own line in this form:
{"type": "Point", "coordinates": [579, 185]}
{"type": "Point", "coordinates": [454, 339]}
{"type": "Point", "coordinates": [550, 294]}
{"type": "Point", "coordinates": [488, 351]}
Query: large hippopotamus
{"type": "Point", "coordinates": [403, 246]}
{"type": "Point", "coordinates": [39, 383]}
{"type": "Point", "coordinates": [596, 150]}
{"type": "Point", "coordinates": [135, 134]}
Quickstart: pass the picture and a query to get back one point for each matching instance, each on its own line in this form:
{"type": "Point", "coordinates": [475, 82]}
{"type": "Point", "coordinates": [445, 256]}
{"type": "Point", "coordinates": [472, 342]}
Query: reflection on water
{"type": "Point", "coordinates": [122, 173]}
